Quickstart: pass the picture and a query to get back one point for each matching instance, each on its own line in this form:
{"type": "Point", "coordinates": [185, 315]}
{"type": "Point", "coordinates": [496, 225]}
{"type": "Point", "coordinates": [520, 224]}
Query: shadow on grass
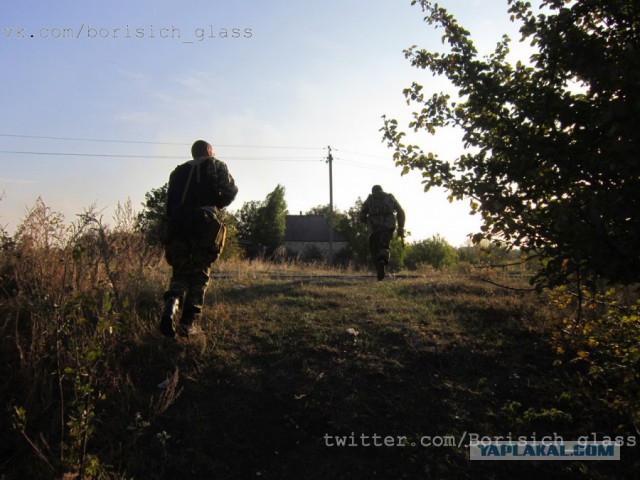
{"type": "Point", "coordinates": [280, 409]}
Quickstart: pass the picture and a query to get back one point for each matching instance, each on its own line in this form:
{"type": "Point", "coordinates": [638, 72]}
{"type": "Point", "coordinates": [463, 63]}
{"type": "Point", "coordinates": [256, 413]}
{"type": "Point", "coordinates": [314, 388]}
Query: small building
{"type": "Point", "coordinates": [308, 237]}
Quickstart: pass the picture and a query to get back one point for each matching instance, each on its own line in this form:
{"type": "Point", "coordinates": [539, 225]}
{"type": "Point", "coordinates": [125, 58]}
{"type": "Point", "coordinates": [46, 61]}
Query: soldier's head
{"type": "Point", "coordinates": [200, 148]}
{"type": "Point", "coordinates": [376, 189]}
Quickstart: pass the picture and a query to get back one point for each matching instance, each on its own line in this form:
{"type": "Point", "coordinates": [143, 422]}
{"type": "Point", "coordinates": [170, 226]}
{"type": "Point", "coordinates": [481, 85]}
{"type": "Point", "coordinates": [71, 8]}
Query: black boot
{"type": "Point", "coordinates": [380, 264]}
{"type": "Point", "coordinates": [169, 315]}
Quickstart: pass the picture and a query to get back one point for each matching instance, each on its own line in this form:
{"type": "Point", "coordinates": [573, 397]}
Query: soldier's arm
{"type": "Point", "coordinates": [400, 216]}
{"type": "Point", "coordinates": [226, 185]}
{"type": "Point", "coordinates": [364, 212]}
{"type": "Point", "coordinates": [170, 200]}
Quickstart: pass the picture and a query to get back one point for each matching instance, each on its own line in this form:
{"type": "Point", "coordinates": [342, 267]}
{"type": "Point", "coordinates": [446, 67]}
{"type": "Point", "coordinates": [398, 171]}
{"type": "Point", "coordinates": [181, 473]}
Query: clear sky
{"type": "Point", "coordinates": [303, 75]}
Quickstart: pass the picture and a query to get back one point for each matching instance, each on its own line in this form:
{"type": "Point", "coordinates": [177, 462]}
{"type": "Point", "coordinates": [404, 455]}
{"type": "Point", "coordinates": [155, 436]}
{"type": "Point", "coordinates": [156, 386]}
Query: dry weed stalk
{"type": "Point", "coordinates": [69, 291]}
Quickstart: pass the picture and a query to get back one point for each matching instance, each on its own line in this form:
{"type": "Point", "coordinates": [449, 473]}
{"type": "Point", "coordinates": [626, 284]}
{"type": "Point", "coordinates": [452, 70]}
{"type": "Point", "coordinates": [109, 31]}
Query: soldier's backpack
{"type": "Point", "coordinates": [381, 205]}
{"type": "Point", "coordinates": [381, 211]}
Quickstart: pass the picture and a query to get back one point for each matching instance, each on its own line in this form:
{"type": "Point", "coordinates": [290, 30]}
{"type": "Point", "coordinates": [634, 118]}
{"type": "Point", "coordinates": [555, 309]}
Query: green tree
{"type": "Point", "coordinates": [435, 251]}
{"type": "Point", "coordinates": [272, 219]}
{"type": "Point", "coordinates": [488, 254]}
{"type": "Point", "coordinates": [232, 248]}
{"type": "Point", "coordinates": [349, 225]}
{"type": "Point", "coordinates": [397, 253]}
{"type": "Point", "coordinates": [324, 211]}
{"type": "Point", "coordinates": [357, 234]}
{"type": "Point", "coordinates": [551, 147]}
{"type": "Point", "coordinates": [264, 222]}
{"type": "Point", "coordinates": [247, 220]}
{"type": "Point", "coordinates": [153, 210]}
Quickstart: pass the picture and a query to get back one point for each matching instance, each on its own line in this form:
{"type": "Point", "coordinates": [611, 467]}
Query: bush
{"type": "Point", "coordinates": [435, 252]}
{"type": "Point", "coordinates": [602, 332]}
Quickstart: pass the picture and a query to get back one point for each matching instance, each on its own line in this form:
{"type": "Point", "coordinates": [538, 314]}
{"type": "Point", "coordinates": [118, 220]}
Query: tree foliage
{"type": "Point", "coordinates": [263, 223]}
{"type": "Point", "coordinates": [153, 210]}
{"type": "Point", "coordinates": [324, 211]}
{"type": "Point", "coordinates": [232, 248]}
{"type": "Point", "coordinates": [356, 232]}
{"type": "Point", "coordinates": [434, 251]}
{"type": "Point", "coordinates": [485, 253]}
{"type": "Point", "coordinates": [551, 159]}
{"type": "Point", "coordinates": [272, 218]}
{"type": "Point", "coordinates": [349, 225]}
{"type": "Point", "coordinates": [247, 220]}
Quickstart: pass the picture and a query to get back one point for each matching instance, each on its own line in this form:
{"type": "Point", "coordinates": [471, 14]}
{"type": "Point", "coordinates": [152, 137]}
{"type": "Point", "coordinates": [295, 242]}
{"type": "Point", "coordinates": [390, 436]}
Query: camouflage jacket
{"type": "Point", "coordinates": [207, 182]}
{"type": "Point", "coordinates": [378, 212]}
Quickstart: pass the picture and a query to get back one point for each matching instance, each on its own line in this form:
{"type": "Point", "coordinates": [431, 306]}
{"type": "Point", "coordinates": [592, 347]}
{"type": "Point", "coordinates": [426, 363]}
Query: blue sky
{"type": "Point", "coordinates": [308, 75]}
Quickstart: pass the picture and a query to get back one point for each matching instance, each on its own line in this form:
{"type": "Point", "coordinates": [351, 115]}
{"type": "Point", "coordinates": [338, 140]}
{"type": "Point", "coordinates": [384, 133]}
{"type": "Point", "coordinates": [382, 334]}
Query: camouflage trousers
{"type": "Point", "coordinates": [191, 259]}
{"type": "Point", "coordinates": [379, 245]}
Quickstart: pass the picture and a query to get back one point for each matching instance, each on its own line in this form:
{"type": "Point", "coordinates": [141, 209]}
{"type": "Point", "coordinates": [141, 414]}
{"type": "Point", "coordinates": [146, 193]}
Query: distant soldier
{"type": "Point", "coordinates": [194, 236]}
{"type": "Point", "coordinates": [379, 212]}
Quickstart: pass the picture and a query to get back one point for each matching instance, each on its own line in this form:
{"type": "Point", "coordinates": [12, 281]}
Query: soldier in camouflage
{"type": "Point", "coordinates": [194, 236]}
{"type": "Point", "coordinates": [379, 212]}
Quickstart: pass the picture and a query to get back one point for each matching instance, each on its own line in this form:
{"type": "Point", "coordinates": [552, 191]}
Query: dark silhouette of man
{"type": "Point", "coordinates": [198, 189]}
{"type": "Point", "coordinates": [379, 212]}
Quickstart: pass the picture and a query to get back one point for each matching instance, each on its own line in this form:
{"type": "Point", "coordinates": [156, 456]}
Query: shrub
{"type": "Point", "coordinates": [435, 252]}
{"type": "Point", "coordinates": [602, 331]}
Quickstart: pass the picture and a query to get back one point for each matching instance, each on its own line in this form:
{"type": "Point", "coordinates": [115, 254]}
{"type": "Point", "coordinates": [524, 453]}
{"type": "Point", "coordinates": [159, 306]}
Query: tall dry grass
{"type": "Point", "coordinates": [75, 298]}
{"type": "Point", "coordinates": [79, 303]}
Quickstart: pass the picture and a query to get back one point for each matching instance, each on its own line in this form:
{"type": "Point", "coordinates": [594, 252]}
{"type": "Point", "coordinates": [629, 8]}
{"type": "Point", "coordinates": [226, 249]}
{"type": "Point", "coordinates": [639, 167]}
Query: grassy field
{"type": "Point", "coordinates": [288, 366]}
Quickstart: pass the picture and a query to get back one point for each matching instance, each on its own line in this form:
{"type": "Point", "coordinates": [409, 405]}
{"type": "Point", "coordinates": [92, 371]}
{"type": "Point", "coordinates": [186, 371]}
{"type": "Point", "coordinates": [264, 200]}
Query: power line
{"type": "Point", "coordinates": [108, 155]}
{"type": "Point", "coordinates": [285, 147]}
{"type": "Point", "coordinates": [352, 163]}
{"type": "Point", "coordinates": [182, 144]}
{"type": "Point", "coordinates": [356, 163]}
{"type": "Point", "coordinates": [142, 142]}
{"type": "Point", "coordinates": [40, 137]}
{"type": "Point", "coordinates": [362, 154]}
{"type": "Point", "coordinates": [64, 154]}
{"type": "Point", "coordinates": [341, 160]}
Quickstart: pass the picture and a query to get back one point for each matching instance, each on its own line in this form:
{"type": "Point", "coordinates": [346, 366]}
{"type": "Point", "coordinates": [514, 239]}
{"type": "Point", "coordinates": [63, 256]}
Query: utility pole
{"type": "Point", "coordinates": [330, 162]}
